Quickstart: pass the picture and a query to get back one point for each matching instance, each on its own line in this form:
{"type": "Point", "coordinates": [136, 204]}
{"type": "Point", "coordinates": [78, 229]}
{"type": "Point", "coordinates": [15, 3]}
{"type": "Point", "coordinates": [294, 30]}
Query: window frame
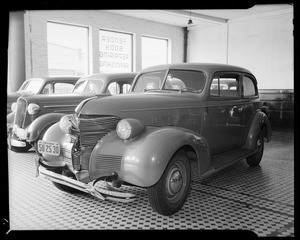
{"type": "Point", "coordinates": [253, 79]}
{"type": "Point", "coordinates": [168, 48]}
{"type": "Point", "coordinates": [89, 45]}
{"type": "Point", "coordinates": [131, 45]}
{"type": "Point", "coordinates": [227, 73]}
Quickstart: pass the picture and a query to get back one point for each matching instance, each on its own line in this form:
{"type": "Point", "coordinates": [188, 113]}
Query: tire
{"type": "Point", "coordinates": [21, 149]}
{"type": "Point", "coordinates": [255, 159]}
{"type": "Point", "coordinates": [168, 195]}
{"type": "Point", "coordinates": [65, 188]}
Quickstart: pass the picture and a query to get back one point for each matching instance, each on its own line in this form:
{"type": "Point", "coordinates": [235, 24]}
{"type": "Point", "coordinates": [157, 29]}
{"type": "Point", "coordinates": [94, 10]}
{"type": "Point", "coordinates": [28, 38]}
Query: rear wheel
{"type": "Point", "coordinates": [168, 195]}
{"type": "Point", "coordinates": [254, 160]}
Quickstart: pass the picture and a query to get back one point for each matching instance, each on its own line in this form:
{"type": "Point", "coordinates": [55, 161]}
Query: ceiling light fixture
{"type": "Point", "coordinates": [190, 20]}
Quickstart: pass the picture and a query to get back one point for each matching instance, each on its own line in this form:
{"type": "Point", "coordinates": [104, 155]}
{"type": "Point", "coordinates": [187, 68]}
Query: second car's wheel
{"type": "Point", "coordinates": [168, 195]}
{"type": "Point", "coordinates": [65, 188]}
{"type": "Point", "coordinates": [254, 160]}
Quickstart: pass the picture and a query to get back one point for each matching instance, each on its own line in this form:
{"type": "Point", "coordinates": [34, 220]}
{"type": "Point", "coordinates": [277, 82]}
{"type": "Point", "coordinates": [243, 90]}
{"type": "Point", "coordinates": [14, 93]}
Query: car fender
{"type": "Point", "coordinates": [142, 161]}
{"type": "Point", "coordinates": [259, 120]}
{"type": "Point", "coordinates": [38, 125]}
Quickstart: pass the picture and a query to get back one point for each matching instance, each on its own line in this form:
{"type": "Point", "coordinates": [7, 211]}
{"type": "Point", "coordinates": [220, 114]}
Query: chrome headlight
{"type": "Point", "coordinates": [13, 107]}
{"type": "Point", "coordinates": [33, 108]}
{"type": "Point", "coordinates": [129, 128]}
{"type": "Point", "coordinates": [68, 123]}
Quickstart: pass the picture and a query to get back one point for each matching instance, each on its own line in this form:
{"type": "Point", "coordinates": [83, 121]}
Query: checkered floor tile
{"type": "Point", "coordinates": [260, 199]}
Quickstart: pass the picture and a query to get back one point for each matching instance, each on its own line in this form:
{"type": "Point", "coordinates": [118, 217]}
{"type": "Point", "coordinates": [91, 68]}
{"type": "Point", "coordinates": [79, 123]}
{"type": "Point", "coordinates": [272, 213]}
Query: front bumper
{"type": "Point", "coordinates": [102, 191]}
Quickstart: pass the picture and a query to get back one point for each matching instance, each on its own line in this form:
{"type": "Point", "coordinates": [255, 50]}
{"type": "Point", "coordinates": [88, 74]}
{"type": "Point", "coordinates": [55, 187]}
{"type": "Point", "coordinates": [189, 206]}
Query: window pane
{"type": "Point", "coordinates": [183, 80]}
{"type": "Point", "coordinates": [149, 81]}
{"type": "Point", "coordinates": [63, 88]}
{"type": "Point", "coordinates": [67, 49]}
{"type": "Point", "coordinates": [115, 51]}
{"type": "Point", "coordinates": [154, 51]}
{"type": "Point", "coordinates": [249, 89]}
{"type": "Point", "coordinates": [225, 86]}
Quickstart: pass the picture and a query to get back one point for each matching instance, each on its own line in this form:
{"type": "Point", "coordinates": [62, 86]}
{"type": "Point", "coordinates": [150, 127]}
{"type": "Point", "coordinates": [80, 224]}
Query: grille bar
{"type": "Point", "coordinates": [93, 129]}
{"type": "Point", "coordinates": [109, 162]}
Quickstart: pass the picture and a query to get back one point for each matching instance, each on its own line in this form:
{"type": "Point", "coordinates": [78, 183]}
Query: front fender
{"type": "Point", "coordinates": [260, 120]}
{"type": "Point", "coordinates": [142, 161]}
{"type": "Point", "coordinates": [38, 125]}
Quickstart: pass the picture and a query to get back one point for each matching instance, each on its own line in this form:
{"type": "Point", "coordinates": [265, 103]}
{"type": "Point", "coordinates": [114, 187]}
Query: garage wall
{"type": "Point", "coordinates": [36, 35]}
{"type": "Point", "coordinates": [263, 44]}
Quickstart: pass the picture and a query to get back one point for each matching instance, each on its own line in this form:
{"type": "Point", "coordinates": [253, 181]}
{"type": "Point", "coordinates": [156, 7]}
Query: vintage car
{"type": "Point", "coordinates": [54, 106]}
{"type": "Point", "coordinates": [173, 122]}
{"type": "Point", "coordinates": [45, 85]}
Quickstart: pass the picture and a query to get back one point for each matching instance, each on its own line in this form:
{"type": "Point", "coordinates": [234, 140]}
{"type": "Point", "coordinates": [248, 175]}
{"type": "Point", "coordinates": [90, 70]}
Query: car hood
{"type": "Point", "coordinates": [143, 106]}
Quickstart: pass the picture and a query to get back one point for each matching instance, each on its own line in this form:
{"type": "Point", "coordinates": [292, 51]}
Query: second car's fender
{"type": "Point", "coordinates": [142, 161]}
{"type": "Point", "coordinates": [41, 123]}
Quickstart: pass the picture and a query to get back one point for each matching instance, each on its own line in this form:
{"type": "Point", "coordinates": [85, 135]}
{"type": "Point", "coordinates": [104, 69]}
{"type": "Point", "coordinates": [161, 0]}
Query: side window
{"type": "Point", "coordinates": [47, 89]}
{"type": "Point", "coordinates": [113, 88]}
{"type": "Point", "coordinates": [226, 85]}
{"type": "Point", "coordinates": [63, 88]}
{"type": "Point", "coordinates": [126, 88]}
{"type": "Point", "coordinates": [249, 87]}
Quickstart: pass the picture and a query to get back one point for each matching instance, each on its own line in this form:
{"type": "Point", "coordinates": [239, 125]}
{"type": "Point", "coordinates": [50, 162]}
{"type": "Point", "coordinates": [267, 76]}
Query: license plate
{"type": "Point", "coordinates": [51, 148]}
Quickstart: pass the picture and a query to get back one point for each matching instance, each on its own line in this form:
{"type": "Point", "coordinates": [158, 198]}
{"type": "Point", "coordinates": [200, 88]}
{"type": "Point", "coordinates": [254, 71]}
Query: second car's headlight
{"type": "Point", "coordinates": [68, 124]}
{"type": "Point", "coordinates": [65, 124]}
{"type": "Point", "coordinates": [33, 108]}
{"type": "Point", "coordinates": [129, 128]}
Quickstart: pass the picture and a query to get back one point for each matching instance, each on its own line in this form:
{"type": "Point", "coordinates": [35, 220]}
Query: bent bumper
{"type": "Point", "coordinates": [100, 192]}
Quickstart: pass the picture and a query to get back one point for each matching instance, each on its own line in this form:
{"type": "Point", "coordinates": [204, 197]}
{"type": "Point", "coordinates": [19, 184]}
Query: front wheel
{"type": "Point", "coordinates": [168, 195]}
{"type": "Point", "coordinates": [254, 160]}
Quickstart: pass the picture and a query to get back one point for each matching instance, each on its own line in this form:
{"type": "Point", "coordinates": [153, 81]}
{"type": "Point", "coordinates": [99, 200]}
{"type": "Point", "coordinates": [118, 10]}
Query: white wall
{"type": "Point", "coordinates": [263, 44]}
{"type": "Point", "coordinates": [36, 35]}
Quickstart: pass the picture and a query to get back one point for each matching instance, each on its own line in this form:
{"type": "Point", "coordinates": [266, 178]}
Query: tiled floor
{"type": "Point", "coordinates": [260, 199]}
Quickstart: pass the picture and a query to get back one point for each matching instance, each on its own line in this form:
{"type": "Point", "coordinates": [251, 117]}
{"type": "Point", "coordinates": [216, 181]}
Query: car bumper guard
{"type": "Point", "coordinates": [102, 190]}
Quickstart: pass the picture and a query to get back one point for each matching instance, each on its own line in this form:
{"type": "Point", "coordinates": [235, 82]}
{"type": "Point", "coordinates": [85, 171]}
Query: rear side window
{"type": "Point", "coordinates": [249, 87]}
{"type": "Point", "coordinates": [225, 85]}
{"type": "Point", "coordinates": [63, 88]}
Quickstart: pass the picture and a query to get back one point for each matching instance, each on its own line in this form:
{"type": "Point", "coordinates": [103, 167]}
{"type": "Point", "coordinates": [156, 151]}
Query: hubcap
{"type": "Point", "coordinates": [174, 182]}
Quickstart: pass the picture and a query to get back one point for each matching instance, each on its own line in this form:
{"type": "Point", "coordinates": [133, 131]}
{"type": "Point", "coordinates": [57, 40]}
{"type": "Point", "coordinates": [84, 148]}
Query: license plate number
{"type": "Point", "coordinates": [51, 148]}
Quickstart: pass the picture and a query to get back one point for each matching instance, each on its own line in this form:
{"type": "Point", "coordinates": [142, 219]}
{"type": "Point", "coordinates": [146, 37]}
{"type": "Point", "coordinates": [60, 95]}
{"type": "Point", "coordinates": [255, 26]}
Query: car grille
{"type": "Point", "coordinates": [20, 113]}
{"type": "Point", "coordinates": [93, 129]}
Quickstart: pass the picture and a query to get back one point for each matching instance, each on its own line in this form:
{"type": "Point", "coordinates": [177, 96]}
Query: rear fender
{"type": "Point", "coordinates": [38, 125]}
{"type": "Point", "coordinates": [142, 161]}
{"type": "Point", "coordinates": [259, 121]}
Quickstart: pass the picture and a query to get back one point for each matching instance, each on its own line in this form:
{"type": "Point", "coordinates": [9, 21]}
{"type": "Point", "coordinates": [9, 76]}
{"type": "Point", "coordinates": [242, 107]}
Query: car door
{"type": "Point", "coordinates": [222, 126]}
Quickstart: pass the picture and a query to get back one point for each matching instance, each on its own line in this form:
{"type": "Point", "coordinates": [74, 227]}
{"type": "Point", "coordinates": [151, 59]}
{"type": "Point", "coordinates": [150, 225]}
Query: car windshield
{"type": "Point", "coordinates": [89, 87]}
{"type": "Point", "coordinates": [31, 86]}
{"type": "Point", "coordinates": [150, 81]}
{"type": "Point", "coordinates": [176, 80]}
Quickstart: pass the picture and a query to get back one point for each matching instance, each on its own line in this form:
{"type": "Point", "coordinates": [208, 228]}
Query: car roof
{"type": "Point", "coordinates": [57, 78]}
{"type": "Point", "coordinates": [108, 76]}
{"type": "Point", "coordinates": [205, 67]}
